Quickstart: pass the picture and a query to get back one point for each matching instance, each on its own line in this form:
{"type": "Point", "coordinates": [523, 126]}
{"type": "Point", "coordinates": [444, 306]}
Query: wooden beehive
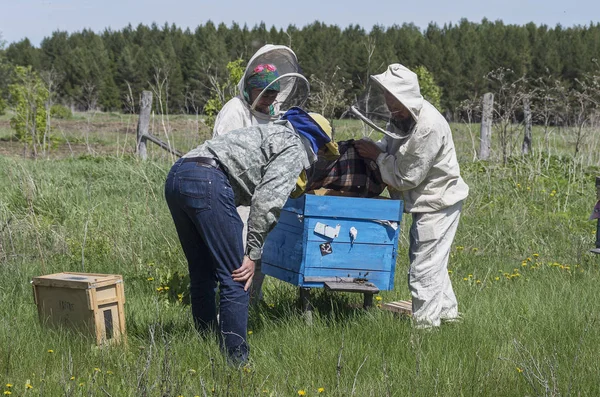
{"type": "Point", "coordinates": [88, 302]}
{"type": "Point", "coordinates": [320, 240]}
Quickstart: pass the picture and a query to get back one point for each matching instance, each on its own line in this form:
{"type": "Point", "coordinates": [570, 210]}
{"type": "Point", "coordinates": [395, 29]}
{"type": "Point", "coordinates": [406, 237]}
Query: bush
{"type": "Point", "coordinates": [60, 112]}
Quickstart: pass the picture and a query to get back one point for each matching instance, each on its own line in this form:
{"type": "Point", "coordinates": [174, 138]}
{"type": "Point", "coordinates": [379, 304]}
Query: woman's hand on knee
{"type": "Point", "coordinates": [245, 272]}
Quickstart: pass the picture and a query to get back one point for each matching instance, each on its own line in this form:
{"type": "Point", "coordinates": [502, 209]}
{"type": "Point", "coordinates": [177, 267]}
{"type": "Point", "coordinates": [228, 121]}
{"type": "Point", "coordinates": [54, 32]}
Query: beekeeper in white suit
{"type": "Point", "coordinates": [421, 168]}
{"type": "Point", "coordinates": [271, 84]}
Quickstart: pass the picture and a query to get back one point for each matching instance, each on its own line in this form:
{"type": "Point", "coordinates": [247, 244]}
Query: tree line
{"type": "Point", "coordinates": [109, 70]}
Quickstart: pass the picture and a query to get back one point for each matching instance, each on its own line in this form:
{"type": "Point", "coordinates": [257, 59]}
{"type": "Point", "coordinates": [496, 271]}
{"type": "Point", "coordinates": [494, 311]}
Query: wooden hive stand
{"type": "Point", "coordinates": [88, 302]}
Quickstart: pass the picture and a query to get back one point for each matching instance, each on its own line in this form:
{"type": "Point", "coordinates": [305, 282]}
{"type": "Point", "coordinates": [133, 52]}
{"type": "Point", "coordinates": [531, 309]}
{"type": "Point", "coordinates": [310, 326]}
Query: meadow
{"type": "Point", "coordinates": [525, 280]}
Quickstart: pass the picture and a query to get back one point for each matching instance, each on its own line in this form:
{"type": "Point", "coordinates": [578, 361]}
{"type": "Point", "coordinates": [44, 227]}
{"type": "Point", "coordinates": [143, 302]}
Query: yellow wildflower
{"type": "Point", "coordinates": [474, 249]}
{"type": "Point", "coordinates": [159, 289]}
{"type": "Point", "coordinates": [50, 351]}
{"type": "Point", "coordinates": [301, 393]}
{"type": "Point", "coordinates": [9, 385]}
{"type": "Point", "coordinates": [321, 389]}
{"type": "Point", "coordinates": [97, 369]}
{"type": "Point", "coordinates": [378, 298]}
{"type": "Point", "coordinates": [465, 279]}
{"type": "Point", "coordinates": [81, 384]}
{"type": "Point", "coordinates": [249, 332]}
{"type": "Point", "coordinates": [519, 370]}
{"type": "Point", "coordinates": [109, 372]}
{"type": "Point", "coordinates": [28, 386]}
{"type": "Point", "coordinates": [7, 392]}
{"type": "Point", "coordinates": [536, 255]}
{"type": "Point", "coordinates": [497, 278]}
{"type": "Point", "coordinates": [166, 288]}
{"type": "Point", "coordinates": [72, 378]}
{"type": "Point", "coordinates": [150, 279]}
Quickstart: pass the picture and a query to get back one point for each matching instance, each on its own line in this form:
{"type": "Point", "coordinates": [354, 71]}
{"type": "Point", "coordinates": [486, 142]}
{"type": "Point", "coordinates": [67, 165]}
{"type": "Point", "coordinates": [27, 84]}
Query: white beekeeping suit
{"type": "Point", "coordinates": [239, 112]}
{"type": "Point", "coordinates": [422, 169]}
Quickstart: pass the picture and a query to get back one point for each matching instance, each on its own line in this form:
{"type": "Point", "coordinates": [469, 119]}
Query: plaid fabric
{"type": "Point", "coordinates": [349, 173]}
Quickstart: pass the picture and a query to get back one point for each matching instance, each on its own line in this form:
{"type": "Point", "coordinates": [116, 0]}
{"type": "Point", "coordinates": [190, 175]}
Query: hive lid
{"type": "Point", "coordinates": [76, 280]}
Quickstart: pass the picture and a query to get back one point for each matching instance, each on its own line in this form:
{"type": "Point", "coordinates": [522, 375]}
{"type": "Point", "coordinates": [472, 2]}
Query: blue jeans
{"type": "Point", "coordinates": [203, 208]}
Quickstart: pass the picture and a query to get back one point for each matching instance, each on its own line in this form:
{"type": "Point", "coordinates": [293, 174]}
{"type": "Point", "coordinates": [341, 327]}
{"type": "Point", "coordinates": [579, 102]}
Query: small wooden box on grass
{"type": "Point", "coordinates": [88, 302]}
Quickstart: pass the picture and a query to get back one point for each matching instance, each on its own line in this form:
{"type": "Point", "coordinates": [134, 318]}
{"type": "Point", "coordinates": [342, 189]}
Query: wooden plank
{"type": "Point", "coordinates": [368, 232]}
{"type": "Point", "coordinates": [280, 273]}
{"type": "Point", "coordinates": [365, 257]}
{"type": "Point", "coordinates": [284, 249]}
{"type": "Point", "coordinates": [351, 287]}
{"type": "Point", "coordinates": [380, 279]}
{"type": "Point", "coordinates": [316, 279]}
{"type": "Point", "coordinates": [402, 307]}
{"type": "Point", "coordinates": [353, 207]}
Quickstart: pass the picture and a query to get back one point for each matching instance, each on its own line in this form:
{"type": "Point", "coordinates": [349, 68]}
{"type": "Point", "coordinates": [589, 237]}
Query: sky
{"type": "Point", "coordinates": [36, 19]}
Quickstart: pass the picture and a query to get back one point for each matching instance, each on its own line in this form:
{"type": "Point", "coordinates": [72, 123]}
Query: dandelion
{"type": "Point", "coordinates": [518, 185]}
{"type": "Point", "coordinates": [519, 370]}
{"type": "Point", "coordinates": [159, 289]}
{"type": "Point", "coordinates": [28, 386]}
{"type": "Point", "coordinates": [449, 271]}
{"type": "Point", "coordinates": [72, 378]}
{"type": "Point", "coordinates": [50, 351]}
{"type": "Point", "coordinates": [497, 279]}
{"type": "Point", "coordinates": [150, 279]}
{"type": "Point", "coordinates": [97, 369]}
{"type": "Point", "coordinates": [180, 297]}
{"type": "Point", "coordinates": [8, 392]}
{"type": "Point", "coordinates": [470, 276]}
{"type": "Point", "coordinates": [465, 279]}
{"type": "Point", "coordinates": [460, 248]}
{"type": "Point", "coordinates": [265, 391]}
{"type": "Point", "coordinates": [9, 385]}
{"type": "Point", "coordinates": [320, 389]}
{"type": "Point", "coordinates": [474, 249]}
{"type": "Point", "coordinates": [478, 281]}
{"type": "Point", "coordinates": [378, 298]}
{"type": "Point", "coordinates": [192, 371]}
{"type": "Point", "coordinates": [109, 372]}
{"type": "Point", "coordinates": [301, 393]}
{"type": "Point", "coordinates": [378, 305]}
{"type": "Point", "coordinates": [536, 255]}
{"type": "Point", "coordinates": [249, 332]}
{"type": "Point", "coordinates": [81, 384]}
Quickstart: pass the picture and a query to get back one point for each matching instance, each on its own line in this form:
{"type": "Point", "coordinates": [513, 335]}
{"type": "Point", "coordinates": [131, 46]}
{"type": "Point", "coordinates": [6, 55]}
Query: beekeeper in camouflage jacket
{"type": "Point", "coordinates": [257, 166]}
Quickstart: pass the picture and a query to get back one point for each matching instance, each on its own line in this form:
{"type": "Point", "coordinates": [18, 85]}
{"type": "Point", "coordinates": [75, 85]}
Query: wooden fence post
{"type": "Point", "coordinates": [143, 124]}
{"type": "Point", "coordinates": [487, 115]}
{"type": "Point", "coordinates": [526, 147]}
{"type": "Point", "coordinates": [597, 249]}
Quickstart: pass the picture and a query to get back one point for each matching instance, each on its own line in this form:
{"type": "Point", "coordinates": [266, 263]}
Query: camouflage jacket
{"type": "Point", "coordinates": [262, 163]}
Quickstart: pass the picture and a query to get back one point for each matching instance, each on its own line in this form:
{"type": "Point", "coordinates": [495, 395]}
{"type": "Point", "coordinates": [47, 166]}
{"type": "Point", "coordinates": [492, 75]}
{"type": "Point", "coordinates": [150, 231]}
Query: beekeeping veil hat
{"type": "Point", "coordinates": [402, 84]}
{"type": "Point", "coordinates": [287, 78]}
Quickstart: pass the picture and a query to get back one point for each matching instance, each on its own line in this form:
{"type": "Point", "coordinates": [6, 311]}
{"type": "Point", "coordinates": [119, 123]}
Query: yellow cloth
{"type": "Point", "coordinates": [332, 153]}
{"type": "Point", "coordinates": [301, 184]}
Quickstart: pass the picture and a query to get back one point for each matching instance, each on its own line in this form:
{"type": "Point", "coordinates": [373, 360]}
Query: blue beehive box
{"type": "Point", "coordinates": [328, 238]}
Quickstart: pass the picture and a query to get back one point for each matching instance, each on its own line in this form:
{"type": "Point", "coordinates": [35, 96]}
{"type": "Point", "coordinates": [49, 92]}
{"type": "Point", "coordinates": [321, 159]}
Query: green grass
{"type": "Point", "coordinates": [526, 284]}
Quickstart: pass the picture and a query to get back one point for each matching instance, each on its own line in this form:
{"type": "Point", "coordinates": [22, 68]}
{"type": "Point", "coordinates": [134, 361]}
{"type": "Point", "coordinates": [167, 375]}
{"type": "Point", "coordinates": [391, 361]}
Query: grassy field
{"type": "Point", "coordinates": [526, 283]}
